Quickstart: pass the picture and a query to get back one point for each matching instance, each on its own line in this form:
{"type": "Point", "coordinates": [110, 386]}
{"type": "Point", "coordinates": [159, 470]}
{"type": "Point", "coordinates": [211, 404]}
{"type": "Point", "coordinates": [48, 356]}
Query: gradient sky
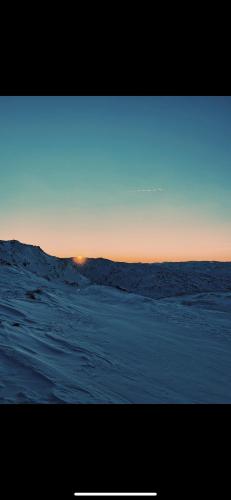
{"type": "Point", "coordinates": [126, 178]}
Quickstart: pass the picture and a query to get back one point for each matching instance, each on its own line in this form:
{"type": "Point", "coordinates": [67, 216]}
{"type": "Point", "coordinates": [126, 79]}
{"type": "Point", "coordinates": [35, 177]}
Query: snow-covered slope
{"type": "Point", "coordinates": [35, 260]}
{"type": "Point", "coordinates": [160, 279]}
{"type": "Point", "coordinates": [91, 343]}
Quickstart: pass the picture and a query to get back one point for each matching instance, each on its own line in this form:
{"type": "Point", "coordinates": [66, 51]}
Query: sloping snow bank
{"type": "Point", "coordinates": [94, 344]}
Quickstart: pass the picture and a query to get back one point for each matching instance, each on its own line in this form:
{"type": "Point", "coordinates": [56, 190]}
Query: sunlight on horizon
{"type": "Point", "coordinates": [79, 260]}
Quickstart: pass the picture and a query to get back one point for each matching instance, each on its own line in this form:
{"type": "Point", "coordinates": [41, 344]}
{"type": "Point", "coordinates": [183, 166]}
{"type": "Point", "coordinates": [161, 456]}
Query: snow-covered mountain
{"type": "Point", "coordinates": [33, 259]}
{"type": "Point", "coordinates": [160, 279]}
{"type": "Point", "coordinates": [66, 339]}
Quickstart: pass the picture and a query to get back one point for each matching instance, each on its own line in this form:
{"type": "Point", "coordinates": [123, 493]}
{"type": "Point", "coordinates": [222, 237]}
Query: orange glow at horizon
{"type": "Point", "coordinates": [80, 260]}
{"type": "Point", "coordinates": [155, 241]}
{"type": "Point", "coordinates": [146, 260]}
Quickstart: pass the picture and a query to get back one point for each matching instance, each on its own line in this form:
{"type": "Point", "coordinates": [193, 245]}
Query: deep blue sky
{"type": "Point", "coordinates": [75, 175]}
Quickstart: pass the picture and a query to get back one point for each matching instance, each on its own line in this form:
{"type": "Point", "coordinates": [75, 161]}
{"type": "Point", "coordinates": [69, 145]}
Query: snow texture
{"type": "Point", "coordinates": [107, 332]}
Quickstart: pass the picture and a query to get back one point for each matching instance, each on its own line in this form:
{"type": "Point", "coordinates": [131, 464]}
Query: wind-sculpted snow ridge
{"type": "Point", "coordinates": [92, 343]}
{"type": "Point", "coordinates": [34, 259]}
{"type": "Point", "coordinates": [160, 280]}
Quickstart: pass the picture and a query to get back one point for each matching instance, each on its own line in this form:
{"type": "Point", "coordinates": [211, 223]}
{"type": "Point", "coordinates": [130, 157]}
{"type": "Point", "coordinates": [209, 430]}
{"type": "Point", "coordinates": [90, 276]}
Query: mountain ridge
{"type": "Point", "coordinates": [155, 280]}
{"type": "Point", "coordinates": [65, 339]}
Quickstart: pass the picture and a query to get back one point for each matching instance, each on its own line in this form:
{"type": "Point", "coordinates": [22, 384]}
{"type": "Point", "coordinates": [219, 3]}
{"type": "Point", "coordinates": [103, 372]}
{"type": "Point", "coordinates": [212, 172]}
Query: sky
{"type": "Point", "coordinates": [137, 179]}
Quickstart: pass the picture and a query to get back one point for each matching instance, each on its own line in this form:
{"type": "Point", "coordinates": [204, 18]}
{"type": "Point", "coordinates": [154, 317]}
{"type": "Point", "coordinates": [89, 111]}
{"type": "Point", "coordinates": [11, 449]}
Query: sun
{"type": "Point", "coordinates": [79, 259]}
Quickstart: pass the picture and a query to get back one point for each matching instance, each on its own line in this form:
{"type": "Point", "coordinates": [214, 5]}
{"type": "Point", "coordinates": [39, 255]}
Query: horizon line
{"type": "Point", "coordinates": [156, 261]}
